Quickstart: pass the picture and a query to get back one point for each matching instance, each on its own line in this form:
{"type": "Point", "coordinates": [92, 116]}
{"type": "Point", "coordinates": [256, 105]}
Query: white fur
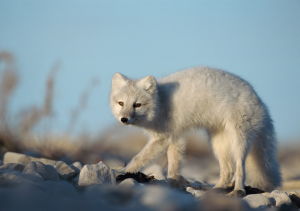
{"type": "Point", "coordinates": [225, 105]}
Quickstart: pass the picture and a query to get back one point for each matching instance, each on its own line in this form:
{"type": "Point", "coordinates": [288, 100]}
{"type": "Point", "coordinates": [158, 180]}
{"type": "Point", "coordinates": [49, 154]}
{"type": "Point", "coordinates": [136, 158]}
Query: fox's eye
{"type": "Point", "coordinates": [136, 105]}
{"type": "Point", "coordinates": [120, 103]}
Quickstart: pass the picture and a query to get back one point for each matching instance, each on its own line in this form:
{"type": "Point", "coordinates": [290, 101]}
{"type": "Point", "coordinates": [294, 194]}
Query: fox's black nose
{"type": "Point", "coordinates": [124, 120]}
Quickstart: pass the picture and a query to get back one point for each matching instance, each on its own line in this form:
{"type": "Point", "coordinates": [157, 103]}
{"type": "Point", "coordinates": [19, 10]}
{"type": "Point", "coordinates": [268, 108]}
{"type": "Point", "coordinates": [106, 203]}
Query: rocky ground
{"type": "Point", "coordinates": [30, 183]}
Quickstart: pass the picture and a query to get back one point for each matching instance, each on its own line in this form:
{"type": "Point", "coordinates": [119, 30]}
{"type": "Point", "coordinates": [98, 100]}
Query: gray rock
{"type": "Point", "coordinates": [199, 185]}
{"type": "Point", "coordinates": [112, 196]}
{"type": "Point", "coordinates": [45, 161]}
{"type": "Point", "coordinates": [64, 170]}
{"type": "Point", "coordinates": [196, 193]}
{"type": "Point", "coordinates": [217, 201]}
{"type": "Point", "coordinates": [61, 188]}
{"type": "Point", "coordinates": [12, 166]}
{"type": "Point", "coordinates": [259, 201]}
{"type": "Point", "coordinates": [39, 169]}
{"type": "Point", "coordinates": [77, 165]}
{"type": "Point", "coordinates": [296, 193]}
{"type": "Point", "coordinates": [12, 157]}
{"type": "Point", "coordinates": [44, 195]}
{"type": "Point", "coordinates": [128, 183]}
{"type": "Point", "coordinates": [75, 180]}
{"type": "Point", "coordinates": [96, 174]}
{"type": "Point", "coordinates": [280, 197]}
{"type": "Point", "coordinates": [295, 197]}
{"type": "Point", "coordinates": [164, 198]}
{"type": "Point", "coordinates": [14, 178]}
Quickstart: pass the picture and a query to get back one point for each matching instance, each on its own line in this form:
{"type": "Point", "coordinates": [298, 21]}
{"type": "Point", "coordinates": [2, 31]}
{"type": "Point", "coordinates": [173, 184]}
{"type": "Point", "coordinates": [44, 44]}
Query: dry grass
{"type": "Point", "coordinates": [8, 83]}
{"type": "Point", "coordinates": [33, 115]}
{"type": "Point", "coordinates": [82, 104]}
{"type": "Point", "coordinates": [19, 136]}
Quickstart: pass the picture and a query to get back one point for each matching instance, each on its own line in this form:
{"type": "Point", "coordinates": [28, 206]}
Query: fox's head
{"type": "Point", "coordinates": [133, 101]}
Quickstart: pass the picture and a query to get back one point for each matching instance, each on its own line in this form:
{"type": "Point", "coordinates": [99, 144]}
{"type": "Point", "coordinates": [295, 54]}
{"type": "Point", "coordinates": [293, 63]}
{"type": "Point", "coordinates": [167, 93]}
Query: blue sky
{"type": "Point", "coordinates": [258, 40]}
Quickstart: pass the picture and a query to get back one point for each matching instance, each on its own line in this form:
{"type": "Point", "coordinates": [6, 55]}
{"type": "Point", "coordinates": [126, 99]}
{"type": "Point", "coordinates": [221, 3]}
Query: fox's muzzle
{"type": "Point", "coordinates": [124, 120]}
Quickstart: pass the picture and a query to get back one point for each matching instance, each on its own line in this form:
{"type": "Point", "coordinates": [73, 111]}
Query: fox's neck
{"type": "Point", "coordinates": [159, 122]}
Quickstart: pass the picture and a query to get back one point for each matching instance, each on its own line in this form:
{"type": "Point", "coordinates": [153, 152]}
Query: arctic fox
{"type": "Point", "coordinates": [236, 119]}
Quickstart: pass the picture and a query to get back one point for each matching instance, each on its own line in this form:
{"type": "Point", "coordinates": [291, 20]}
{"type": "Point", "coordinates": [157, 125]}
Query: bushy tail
{"type": "Point", "coordinates": [263, 170]}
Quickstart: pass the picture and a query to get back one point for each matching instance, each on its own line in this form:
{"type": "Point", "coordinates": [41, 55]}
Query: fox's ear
{"type": "Point", "coordinates": [148, 83]}
{"type": "Point", "coordinates": [119, 80]}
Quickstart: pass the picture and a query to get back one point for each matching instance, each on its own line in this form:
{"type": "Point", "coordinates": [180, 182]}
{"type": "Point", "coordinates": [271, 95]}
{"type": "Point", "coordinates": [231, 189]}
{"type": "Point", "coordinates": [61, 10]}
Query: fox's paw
{"type": "Point", "coordinates": [237, 193]}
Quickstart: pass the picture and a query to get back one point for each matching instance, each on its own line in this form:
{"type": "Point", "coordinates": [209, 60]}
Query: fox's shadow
{"type": "Point", "coordinates": [166, 92]}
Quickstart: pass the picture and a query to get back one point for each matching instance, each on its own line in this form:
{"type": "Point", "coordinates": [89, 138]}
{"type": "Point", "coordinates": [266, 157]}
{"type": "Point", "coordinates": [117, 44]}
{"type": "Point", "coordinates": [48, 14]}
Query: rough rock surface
{"type": "Point", "coordinates": [39, 169]}
{"type": "Point", "coordinates": [279, 197]}
{"type": "Point", "coordinates": [196, 193]}
{"type": "Point", "coordinates": [14, 178]}
{"type": "Point", "coordinates": [295, 198]}
{"type": "Point", "coordinates": [164, 198]}
{"type": "Point", "coordinates": [128, 183]}
{"type": "Point", "coordinates": [259, 201]}
{"type": "Point", "coordinates": [64, 170]}
{"type": "Point", "coordinates": [29, 183]}
{"type": "Point", "coordinates": [77, 166]}
{"type": "Point", "coordinates": [99, 173]}
{"type": "Point", "coordinates": [12, 166]}
{"type": "Point", "coordinates": [12, 157]}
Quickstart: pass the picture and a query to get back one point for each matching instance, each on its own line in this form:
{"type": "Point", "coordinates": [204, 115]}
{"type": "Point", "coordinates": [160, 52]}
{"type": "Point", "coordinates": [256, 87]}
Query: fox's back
{"type": "Point", "coordinates": [206, 96]}
{"type": "Point", "coordinates": [214, 81]}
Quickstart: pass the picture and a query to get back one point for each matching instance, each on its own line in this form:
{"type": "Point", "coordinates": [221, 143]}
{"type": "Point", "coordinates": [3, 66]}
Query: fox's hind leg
{"type": "Point", "coordinates": [175, 153]}
{"type": "Point", "coordinates": [240, 148]}
{"type": "Point", "coordinates": [221, 144]}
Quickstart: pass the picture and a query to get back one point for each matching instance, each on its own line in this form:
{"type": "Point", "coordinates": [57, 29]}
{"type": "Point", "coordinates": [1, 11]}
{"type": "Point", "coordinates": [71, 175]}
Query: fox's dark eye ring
{"type": "Point", "coordinates": [121, 103]}
{"type": "Point", "coordinates": [137, 105]}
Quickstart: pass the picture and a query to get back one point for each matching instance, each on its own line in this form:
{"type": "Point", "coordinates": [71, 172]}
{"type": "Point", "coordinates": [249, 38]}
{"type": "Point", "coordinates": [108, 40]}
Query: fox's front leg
{"type": "Point", "coordinates": [175, 153]}
{"type": "Point", "coordinates": [150, 151]}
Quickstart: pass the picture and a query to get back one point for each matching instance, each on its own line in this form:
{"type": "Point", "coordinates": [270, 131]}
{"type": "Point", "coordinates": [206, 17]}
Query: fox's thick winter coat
{"type": "Point", "coordinates": [237, 121]}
